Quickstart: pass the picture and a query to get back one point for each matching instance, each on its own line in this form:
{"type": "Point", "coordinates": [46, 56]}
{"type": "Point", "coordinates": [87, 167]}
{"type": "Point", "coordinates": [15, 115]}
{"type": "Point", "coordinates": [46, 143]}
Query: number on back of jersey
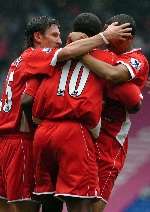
{"type": "Point", "coordinates": [7, 105]}
{"type": "Point", "coordinates": [74, 90]}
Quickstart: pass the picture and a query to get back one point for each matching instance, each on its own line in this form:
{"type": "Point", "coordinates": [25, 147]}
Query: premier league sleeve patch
{"type": "Point", "coordinates": [47, 50]}
{"type": "Point", "coordinates": [135, 64]}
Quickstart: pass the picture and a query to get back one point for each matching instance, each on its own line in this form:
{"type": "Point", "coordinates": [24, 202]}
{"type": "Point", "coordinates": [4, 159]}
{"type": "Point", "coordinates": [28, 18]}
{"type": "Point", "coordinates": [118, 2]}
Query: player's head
{"type": "Point", "coordinates": [122, 46]}
{"type": "Point", "coordinates": [87, 23]}
{"type": "Point", "coordinates": [43, 32]}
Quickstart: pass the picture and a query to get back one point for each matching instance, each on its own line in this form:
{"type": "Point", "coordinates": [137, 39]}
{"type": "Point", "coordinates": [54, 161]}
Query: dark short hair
{"type": "Point", "coordinates": [122, 19]}
{"type": "Point", "coordinates": [37, 24]}
{"type": "Point", "coordinates": [87, 23]}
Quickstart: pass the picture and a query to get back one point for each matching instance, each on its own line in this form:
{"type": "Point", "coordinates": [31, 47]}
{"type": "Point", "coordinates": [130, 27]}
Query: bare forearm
{"type": "Point", "coordinates": [83, 46]}
{"type": "Point", "coordinates": [80, 47]}
{"type": "Point", "coordinates": [100, 68]}
{"type": "Point", "coordinates": [116, 74]}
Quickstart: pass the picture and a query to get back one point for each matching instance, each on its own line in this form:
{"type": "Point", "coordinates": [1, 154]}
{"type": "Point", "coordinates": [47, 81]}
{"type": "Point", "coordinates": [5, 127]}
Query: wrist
{"type": "Point", "coordinates": [103, 35]}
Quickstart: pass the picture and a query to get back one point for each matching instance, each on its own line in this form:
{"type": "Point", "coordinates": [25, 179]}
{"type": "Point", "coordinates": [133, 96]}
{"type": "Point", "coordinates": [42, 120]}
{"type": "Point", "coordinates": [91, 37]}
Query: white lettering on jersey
{"type": "Point", "coordinates": [8, 102]}
{"type": "Point", "coordinates": [17, 61]}
{"type": "Point", "coordinates": [73, 89]}
{"type": "Point", "coordinates": [63, 78]}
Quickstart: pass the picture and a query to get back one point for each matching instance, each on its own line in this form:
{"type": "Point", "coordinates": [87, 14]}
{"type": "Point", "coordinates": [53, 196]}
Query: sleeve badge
{"type": "Point", "coordinates": [135, 63]}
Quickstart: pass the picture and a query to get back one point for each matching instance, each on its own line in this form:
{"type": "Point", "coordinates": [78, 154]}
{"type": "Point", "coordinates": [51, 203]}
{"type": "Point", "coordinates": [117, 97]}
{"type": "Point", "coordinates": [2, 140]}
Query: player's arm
{"type": "Point", "coordinates": [83, 46]}
{"type": "Point", "coordinates": [136, 108]}
{"type": "Point", "coordinates": [118, 73]}
{"type": "Point", "coordinates": [40, 61]}
{"type": "Point", "coordinates": [27, 99]}
{"type": "Point", "coordinates": [128, 94]}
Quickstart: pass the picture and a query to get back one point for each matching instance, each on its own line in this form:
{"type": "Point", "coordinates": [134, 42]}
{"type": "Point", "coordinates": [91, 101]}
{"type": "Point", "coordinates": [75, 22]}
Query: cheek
{"type": "Point", "coordinates": [48, 39]}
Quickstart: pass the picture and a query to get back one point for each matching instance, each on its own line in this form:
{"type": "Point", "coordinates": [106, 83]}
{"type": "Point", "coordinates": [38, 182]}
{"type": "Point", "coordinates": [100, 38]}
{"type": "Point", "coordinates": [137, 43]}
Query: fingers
{"type": "Point", "coordinates": [127, 35]}
{"type": "Point", "coordinates": [125, 25]}
{"type": "Point", "coordinates": [127, 30]}
{"type": "Point", "coordinates": [114, 24]}
{"type": "Point", "coordinates": [122, 26]}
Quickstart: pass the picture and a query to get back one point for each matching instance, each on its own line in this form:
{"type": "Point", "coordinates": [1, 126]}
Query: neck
{"type": "Point", "coordinates": [120, 50]}
{"type": "Point", "coordinates": [36, 45]}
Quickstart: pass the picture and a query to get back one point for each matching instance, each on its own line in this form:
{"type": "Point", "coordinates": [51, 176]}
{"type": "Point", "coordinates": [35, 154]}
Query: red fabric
{"type": "Point", "coordinates": [38, 61]}
{"type": "Point", "coordinates": [110, 159]}
{"type": "Point", "coordinates": [64, 156]}
{"type": "Point", "coordinates": [16, 167]}
{"type": "Point", "coordinates": [86, 106]}
{"type": "Point", "coordinates": [138, 64]}
{"type": "Point", "coordinates": [49, 105]}
{"type": "Point", "coordinates": [32, 62]}
{"type": "Point", "coordinates": [127, 93]}
{"type": "Point", "coordinates": [32, 86]}
{"type": "Point", "coordinates": [114, 114]}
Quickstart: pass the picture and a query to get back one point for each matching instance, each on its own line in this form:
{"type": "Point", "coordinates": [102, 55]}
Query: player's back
{"type": "Point", "coordinates": [10, 102]}
{"type": "Point", "coordinates": [73, 92]}
{"type": "Point", "coordinates": [31, 62]}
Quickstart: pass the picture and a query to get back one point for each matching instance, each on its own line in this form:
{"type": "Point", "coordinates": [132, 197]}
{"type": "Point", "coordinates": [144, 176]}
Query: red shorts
{"type": "Point", "coordinates": [65, 160]}
{"type": "Point", "coordinates": [16, 167]}
{"type": "Point", "coordinates": [110, 157]}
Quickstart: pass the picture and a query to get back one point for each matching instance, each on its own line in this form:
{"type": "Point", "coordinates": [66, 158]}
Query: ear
{"type": "Point", "coordinates": [37, 37]}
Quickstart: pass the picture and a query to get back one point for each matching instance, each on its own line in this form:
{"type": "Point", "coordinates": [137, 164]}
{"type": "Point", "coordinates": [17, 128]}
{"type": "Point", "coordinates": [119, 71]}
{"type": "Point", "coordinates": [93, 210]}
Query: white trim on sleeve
{"type": "Point", "coordinates": [54, 59]}
{"type": "Point", "coordinates": [128, 67]}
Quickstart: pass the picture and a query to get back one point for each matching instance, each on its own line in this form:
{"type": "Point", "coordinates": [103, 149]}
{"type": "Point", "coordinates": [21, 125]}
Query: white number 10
{"type": "Point", "coordinates": [73, 89]}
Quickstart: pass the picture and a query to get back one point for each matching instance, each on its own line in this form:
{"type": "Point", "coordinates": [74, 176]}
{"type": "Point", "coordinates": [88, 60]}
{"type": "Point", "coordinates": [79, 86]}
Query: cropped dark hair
{"type": "Point", "coordinates": [37, 24]}
{"type": "Point", "coordinates": [87, 23]}
{"type": "Point", "coordinates": [122, 19]}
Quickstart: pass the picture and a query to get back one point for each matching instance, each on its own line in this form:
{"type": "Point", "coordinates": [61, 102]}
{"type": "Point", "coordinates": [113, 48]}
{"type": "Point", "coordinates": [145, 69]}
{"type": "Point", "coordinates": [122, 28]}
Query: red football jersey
{"type": "Point", "coordinates": [31, 62]}
{"type": "Point", "coordinates": [73, 92]}
{"type": "Point", "coordinates": [137, 65]}
{"type": "Point", "coordinates": [115, 119]}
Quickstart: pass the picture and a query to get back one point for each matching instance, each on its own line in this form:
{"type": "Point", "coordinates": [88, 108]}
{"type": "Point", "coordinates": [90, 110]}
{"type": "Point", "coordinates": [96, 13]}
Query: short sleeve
{"type": "Point", "coordinates": [41, 61]}
{"type": "Point", "coordinates": [136, 64]}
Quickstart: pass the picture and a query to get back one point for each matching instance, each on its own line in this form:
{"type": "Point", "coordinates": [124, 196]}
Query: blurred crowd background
{"type": "Point", "coordinates": [15, 13]}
